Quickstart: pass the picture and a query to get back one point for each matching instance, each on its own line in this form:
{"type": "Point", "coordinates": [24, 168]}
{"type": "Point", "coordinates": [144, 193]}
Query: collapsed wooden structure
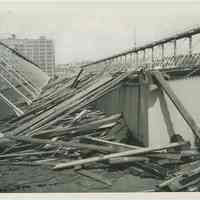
{"type": "Point", "coordinates": [139, 116]}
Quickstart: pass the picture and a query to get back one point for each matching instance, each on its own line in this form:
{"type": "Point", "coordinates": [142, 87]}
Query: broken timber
{"type": "Point", "coordinates": [115, 155]}
{"type": "Point", "coordinates": [112, 143]}
{"type": "Point", "coordinates": [61, 143]}
{"type": "Point", "coordinates": [85, 127]}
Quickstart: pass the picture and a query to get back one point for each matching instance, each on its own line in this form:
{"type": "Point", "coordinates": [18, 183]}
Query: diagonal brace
{"type": "Point", "coordinates": [178, 104]}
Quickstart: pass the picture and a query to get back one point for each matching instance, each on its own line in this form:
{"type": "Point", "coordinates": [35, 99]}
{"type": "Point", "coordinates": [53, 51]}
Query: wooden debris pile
{"type": "Point", "coordinates": [62, 130]}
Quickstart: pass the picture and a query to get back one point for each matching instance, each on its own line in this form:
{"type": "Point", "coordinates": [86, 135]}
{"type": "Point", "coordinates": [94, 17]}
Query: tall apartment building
{"type": "Point", "coordinates": [41, 51]}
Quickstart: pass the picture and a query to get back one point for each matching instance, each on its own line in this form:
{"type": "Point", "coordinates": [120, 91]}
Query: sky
{"type": "Point", "coordinates": [91, 31]}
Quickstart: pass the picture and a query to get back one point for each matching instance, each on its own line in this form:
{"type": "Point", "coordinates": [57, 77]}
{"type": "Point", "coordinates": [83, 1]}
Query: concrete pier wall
{"type": "Point", "coordinates": [163, 122]}
{"type": "Point", "coordinates": [163, 119]}
{"type": "Point", "coordinates": [125, 99]}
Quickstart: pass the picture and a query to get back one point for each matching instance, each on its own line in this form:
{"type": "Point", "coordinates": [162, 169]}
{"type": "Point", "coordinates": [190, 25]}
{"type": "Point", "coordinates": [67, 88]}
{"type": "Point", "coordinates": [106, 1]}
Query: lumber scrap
{"type": "Point", "coordinates": [112, 143]}
{"type": "Point", "coordinates": [152, 168]}
{"type": "Point", "coordinates": [181, 181]}
{"type": "Point", "coordinates": [61, 143]}
{"type": "Point", "coordinates": [115, 155]}
{"type": "Point", "coordinates": [178, 104]}
{"type": "Point", "coordinates": [71, 105]}
{"type": "Point", "coordinates": [94, 176]}
{"type": "Point", "coordinates": [10, 155]}
{"type": "Point", "coordinates": [79, 106]}
{"type": "Point", "coordinates": [79, 116]}
{"type": "Point", "coordinates": [75, 82]}
{"type": "Point", "coordinates": [81, 128]}
{"type": "Point", "coordinates": [122, 160]}
{"type": "Point", "coordinates": [61, 108]}
{"type": "Point", "coordinates": [164, 155]}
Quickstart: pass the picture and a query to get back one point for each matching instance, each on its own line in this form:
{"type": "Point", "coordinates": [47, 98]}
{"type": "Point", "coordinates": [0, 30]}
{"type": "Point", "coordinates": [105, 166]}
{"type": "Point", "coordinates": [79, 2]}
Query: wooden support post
{"type": "Point", "coordinates": [180, 107]}
{"type": "Point", "coordinates": [144, 56]}
{"type": "Point", "coordinates": [152, 56]}
{"type": "Point", "coordinates": [190, 45]}
{"type": "Point", "coordinates": [174, 48]}
{"type": "Point", "coordinates": [121, 59]}
{"type": "Point", "coordinates": [125, 59]}
{"type": "Point", "coordinates": [116, 60]}
{"type": "Point", "coordinates": [136, 59]}
{"type": "Point", "coordinates": [131, 58]}
{"type": "Point", "coordinates": [162, 53]}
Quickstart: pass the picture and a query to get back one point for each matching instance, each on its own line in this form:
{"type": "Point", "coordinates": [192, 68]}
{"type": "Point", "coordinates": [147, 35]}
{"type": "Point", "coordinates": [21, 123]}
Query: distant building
{"type": "Point", "coordinates": [41, 51]}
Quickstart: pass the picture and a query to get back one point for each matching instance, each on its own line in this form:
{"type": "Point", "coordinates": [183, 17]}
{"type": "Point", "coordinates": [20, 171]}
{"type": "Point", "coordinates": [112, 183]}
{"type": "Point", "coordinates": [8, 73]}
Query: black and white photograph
{"type": "Point", "coordinates": [99, 97]}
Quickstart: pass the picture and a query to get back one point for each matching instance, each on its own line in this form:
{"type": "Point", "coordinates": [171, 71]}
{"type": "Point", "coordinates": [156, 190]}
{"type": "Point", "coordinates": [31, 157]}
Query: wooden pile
{"type": "Point", "coordinates": [62, 130]}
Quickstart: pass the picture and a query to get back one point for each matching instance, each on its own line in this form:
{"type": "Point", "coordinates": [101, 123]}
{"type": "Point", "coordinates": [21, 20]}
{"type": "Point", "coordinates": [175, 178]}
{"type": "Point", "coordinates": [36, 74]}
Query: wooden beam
{"type": "Point", "coordinates": [11, 155]}
{"type": "Point", "coordinates": [112, 143]}
{"type": "Point", "coordinates": [81, 128]}
{"type": "Point", "coordinates": [17, 110]}
{"type": "Point", "coordinates": [94, 176]}
{"type": "Point", "coordinates": [61, 143]}
{"type": "Point", "coordinates": [127, 159]}
{"type": "Point", "coordinates": [178, 104]}
{"type": "Point", "coordinates": [74, 84]}
{"type": "Point", "coordinates": [115, 155]}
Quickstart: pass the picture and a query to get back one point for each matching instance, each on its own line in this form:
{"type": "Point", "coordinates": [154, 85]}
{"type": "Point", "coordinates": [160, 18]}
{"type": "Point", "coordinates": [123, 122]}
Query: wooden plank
{"type": "Point", "coordinates": [122, 160]}
{"type": "Point", "coordinates": [74, 108]}
{"type": "Point", "coordinates": [182, 181]}
{"type": "Point", "coordinates": [79, 116]}
{"type": "Point", "coordinates": [11, 155]}
{"type": "Point", "coordinates": [94, 176]}
{"type": "Point", "coordinates": [178, 104]}
{"type": "Point", "coordinates": [81, 128]}
{"type": "Point", "coordinates": [112, 143]}
{"type": "Point", "coordinates": [53, 115]}
{"type": "Point", "coordinates": [61, 108]}
{"type": "Point", "coordinates": [115, 155]}
{"type": "Point", "coordinates": [74, 84]}
{"type": "Point", "coordinates": [170, 156]}
{"type": "Point", "coordinates": [61, 143]}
